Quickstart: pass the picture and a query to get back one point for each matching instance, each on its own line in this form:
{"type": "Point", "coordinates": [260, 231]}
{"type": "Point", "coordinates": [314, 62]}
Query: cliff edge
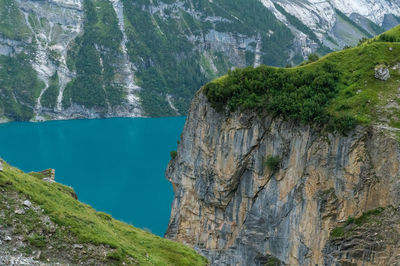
{"type": "Point", "coordinates": [257, 188]}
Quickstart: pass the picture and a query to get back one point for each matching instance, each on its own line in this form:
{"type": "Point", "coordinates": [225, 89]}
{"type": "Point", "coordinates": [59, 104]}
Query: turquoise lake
{"type": "Point", "coordinates": [115, 165]}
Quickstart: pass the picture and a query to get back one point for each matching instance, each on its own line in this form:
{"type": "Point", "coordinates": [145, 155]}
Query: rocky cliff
{"type": "Point", "coordinates": [236, 210]}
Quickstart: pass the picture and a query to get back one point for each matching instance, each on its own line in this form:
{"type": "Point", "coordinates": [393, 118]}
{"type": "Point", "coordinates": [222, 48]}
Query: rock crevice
{"type": "Point", "coordinates": [236, 211]}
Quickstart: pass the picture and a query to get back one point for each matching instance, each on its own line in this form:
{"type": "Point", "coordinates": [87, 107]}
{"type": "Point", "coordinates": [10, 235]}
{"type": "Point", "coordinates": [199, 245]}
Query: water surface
{"type": "Point", "coordinates": [116, 165]}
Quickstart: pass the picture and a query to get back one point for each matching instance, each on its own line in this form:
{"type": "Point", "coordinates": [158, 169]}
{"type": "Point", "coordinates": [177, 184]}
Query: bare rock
{"type": "Point", "coordinates": [78, 246]}
{"type": "Point", "coordinates": [382, 72]}
{"type": "Point", "coordinates": [27, 203]}
{"type": "Point", "coordinates": [20, 211]}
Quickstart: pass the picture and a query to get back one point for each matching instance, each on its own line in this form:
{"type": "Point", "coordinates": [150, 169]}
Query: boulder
{"type": "Point", "coordinates": [49, 180]}
{"type": "Point", "coordinates": [20, 211]}
{"type": "Point", "coordinates": [78, 246]}
{"type": "Point", "coordinates": [27, 203]}
{"type": "Point", "coordinates": [49, 173]}
{"type": "Point", "coordinates": [382, 72]}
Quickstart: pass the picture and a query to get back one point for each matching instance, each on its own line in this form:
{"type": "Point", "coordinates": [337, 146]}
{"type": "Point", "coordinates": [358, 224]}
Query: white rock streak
{"type": "Point", "coordinates": [41, 62]}
{"type": "Point", "coordinates": [129, 68]}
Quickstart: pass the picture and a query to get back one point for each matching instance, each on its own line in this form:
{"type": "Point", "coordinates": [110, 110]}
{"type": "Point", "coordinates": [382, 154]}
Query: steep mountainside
{"type": "Point", "coordinates": [103, 58]}
{"type": "Point", "coordinates": [42, 223]}
{"type": "Point", "coordinates": [295, 166]}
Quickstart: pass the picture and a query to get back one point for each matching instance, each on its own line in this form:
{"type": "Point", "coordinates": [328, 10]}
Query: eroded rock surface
{"type": "Point", "coordinates": [233, 209]}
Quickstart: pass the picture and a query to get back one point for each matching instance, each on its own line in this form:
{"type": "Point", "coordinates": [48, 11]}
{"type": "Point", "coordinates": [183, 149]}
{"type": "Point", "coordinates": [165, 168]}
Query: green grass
{"type": "Point", "coordinates": [365, 218]}
{"type": "Point", "coordinates": [273, 162]}
{"type": "Point", "coordinates": [94, 227]}
{"type": "Point", "coordinates": [354, 97]}
{"type": "Point", "coordinates": [272, 261]}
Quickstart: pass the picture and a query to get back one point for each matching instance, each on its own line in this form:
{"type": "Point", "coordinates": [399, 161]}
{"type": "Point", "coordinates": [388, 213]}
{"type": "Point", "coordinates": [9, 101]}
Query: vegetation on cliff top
{"type": "Point", "coordinates": [87, 226]}
{"type": "Point", "coordinates": [372, 216]}
{"type": "Point", "coordinates": [339, 90]}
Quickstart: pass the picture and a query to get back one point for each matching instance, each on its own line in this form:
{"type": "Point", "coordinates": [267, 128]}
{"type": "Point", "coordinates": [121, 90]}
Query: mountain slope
{"type": "Point", "coordinates": [147, 58]}
{"type": "Point", "coordinates": [42, 222]}
{"type": "Point", "coordinates": [295, 166]}
{"type": "Point", "coordinates": [338, 23]}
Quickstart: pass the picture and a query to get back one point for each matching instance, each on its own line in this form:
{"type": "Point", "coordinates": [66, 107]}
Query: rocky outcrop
{"type": "Point", "coordinates": [382, 72]}
{"type": "Point", "coordinates": [236, 210]}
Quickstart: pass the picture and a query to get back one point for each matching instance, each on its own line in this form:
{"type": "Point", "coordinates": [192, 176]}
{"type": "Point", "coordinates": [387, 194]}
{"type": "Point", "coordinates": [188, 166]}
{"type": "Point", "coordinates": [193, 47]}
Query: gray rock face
{"type": "Point", "coordinates": [382, 72]}
{"type": "Point", "coordinates": [233, 209]}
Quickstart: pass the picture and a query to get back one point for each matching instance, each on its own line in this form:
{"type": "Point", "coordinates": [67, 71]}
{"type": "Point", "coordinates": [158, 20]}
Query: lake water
{"type": "Point", "coordinates": [115, 165]}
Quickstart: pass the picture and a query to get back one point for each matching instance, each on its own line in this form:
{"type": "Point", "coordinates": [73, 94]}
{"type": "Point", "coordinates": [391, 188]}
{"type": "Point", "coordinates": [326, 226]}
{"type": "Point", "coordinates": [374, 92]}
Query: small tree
{"type": "Point", "coordinates": [273, 163]}
{"type": "Point", "coordinates": [173, 154]}
{"type": "Point", "coordinates": [362, 40]}
{"type": "Point", "coordinates": [313, 57]}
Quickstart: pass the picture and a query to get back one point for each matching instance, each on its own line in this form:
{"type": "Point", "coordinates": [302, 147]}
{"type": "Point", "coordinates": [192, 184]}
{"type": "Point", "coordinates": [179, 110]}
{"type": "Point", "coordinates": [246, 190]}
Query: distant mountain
{"type": "Point", "coordinates": [100, 58]}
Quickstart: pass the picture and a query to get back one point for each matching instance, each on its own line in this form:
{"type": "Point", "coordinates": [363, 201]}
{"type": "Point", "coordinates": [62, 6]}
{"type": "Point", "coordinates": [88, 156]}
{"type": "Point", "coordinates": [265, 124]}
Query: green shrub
{"type": "Point", "coordinates": [366, 217]}
{"type": "Point", "coordinates": [104, 216]}
{"type": "Point", "coordinates": [313, 57]}
{"type": "Point", "coordinates": [272, 261]}
{"type": "Point", "coordinates": [362, 41]}
{"type": "Point", "coordinates": [37, 241]}
{"type": "Point", "coordinates": [337, 232]}
{"type": "Point", "coordinates": [273, 163]}
{"type": "Point", "coordinates": [298, 94]}
{"type": "Point", "coordinates": [388, 38]}
{"type": "Point", "coordinates": [116, 255]}
{"type": "Point", "coordinates": [173, 154]}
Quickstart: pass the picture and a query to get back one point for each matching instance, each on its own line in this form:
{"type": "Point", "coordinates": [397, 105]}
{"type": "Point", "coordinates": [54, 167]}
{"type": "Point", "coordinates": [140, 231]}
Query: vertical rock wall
{"type": "Point", "coordinates": [231, 207]}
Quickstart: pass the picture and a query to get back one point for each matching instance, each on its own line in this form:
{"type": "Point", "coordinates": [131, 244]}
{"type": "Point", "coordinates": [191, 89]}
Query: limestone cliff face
{"type": "Point", "coordinates": [236, 211]}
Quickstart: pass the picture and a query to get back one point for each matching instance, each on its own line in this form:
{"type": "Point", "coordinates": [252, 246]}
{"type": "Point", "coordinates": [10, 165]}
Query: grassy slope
{"type": "Point", "coordinates": [97, 228]}
{"type": "Point", "coordinates": [359, 94]}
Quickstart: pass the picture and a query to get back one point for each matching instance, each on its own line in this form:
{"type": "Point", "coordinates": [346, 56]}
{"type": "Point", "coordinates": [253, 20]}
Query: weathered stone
{"type": "Point", "coordinates": [27, 203]}
{"type": "Point", "coordinates": [382, 72]}
{"type": "Point", "coordinates": [234, 210]}
{"type": "Point", "coordinates": [49, 173]}
{"type": "Point", "coordinates": [49, 180]}
{"type": "Point", "coordinates": [20, 211]}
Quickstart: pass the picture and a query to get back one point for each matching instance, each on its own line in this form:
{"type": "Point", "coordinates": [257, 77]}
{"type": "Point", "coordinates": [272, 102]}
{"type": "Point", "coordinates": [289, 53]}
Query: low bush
{"type": "Point", "coordinates": [173, 154]}
{"type": "Point", "coordinates": [273, 163]}
{"type": "Point", "coordinates": [298, 94]}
